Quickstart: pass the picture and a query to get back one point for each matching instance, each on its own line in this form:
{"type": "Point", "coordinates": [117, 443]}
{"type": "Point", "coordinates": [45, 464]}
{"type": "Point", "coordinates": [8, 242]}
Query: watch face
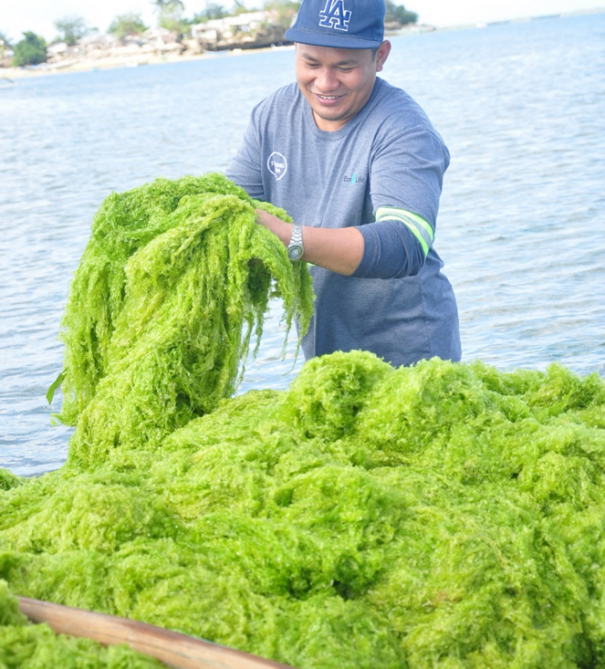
{"type": "Point", "coordinates": [295, 252]}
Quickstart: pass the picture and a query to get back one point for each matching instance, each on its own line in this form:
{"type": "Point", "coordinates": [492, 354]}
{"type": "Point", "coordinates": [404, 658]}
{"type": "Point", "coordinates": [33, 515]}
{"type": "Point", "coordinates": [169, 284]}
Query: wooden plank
{"type": "Point", "coordinates": [172, 648]}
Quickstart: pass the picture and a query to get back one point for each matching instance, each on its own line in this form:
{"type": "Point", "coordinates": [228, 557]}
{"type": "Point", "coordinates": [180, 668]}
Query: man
{"type": "Point", "coordinates": [359, 167]}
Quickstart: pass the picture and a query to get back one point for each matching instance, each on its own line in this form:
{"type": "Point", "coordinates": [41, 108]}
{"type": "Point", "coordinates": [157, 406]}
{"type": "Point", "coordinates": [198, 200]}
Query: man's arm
{"type": "Point", "coordinates": [406, 184]}
{"type": "Point", "coordinates": [387, 249]}
{"type": "Point", "coordinates": [338, 250]}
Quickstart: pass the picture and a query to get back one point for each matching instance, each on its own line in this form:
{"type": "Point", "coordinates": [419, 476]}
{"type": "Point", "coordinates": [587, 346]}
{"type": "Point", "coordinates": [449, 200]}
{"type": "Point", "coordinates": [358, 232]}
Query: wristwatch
{"type": "Point", "coordinates": [295, 247]}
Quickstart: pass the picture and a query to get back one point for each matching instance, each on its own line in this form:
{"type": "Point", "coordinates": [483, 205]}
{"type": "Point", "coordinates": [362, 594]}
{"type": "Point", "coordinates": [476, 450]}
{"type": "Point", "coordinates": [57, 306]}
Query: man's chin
{"type": "Point", "coordinates": [330, 114]}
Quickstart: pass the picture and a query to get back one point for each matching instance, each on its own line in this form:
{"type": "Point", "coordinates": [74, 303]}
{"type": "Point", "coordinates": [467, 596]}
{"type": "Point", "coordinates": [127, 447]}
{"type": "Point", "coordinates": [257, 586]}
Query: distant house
{"type": "Point", "coordinates": [60, 52]}
{"type": "Point", "coordinates": [249, 30]}
{"type": "Point", "coordinates": [58, 49]}
{"type": "Point", "coordinates": [160, 36]}
{"type": "Point", "coordinates": [93, 42]}
{"type": "Point", "coordinates": [164, 41]}
{"type": "Point", "coordinates": [6, 54]}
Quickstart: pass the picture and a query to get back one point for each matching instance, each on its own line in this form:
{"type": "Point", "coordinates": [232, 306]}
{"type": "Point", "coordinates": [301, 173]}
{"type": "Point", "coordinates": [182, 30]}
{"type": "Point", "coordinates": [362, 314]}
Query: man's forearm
{"type": "Point", "coordinates": [339, 250]}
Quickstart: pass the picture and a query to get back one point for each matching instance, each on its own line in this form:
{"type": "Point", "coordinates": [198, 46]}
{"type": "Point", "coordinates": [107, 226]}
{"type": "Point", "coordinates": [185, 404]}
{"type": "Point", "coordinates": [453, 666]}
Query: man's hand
{"type": "Point", "coordinates": [338, 250]}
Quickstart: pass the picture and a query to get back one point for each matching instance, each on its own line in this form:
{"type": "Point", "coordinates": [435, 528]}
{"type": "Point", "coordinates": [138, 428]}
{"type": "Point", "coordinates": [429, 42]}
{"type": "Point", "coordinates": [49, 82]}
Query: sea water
{"type": "Point", "coordinates": [521, 228]}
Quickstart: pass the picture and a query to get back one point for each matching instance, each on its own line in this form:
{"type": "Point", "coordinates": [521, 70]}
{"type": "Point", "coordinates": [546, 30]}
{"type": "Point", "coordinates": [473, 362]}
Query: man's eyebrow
{"type": "Point", "coordinates": [340, 63]}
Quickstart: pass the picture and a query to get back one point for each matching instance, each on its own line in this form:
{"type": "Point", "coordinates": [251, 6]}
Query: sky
{"type": "Point", "coordinates": [40, 15]}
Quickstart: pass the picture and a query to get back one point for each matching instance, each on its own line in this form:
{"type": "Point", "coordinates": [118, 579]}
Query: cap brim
{"type": "Point", "coordinates": [330, 40]}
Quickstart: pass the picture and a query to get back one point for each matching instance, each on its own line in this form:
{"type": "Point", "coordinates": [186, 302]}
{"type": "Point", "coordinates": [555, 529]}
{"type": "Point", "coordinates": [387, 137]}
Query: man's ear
{"type": "Point", "coordinates": [382, 54]}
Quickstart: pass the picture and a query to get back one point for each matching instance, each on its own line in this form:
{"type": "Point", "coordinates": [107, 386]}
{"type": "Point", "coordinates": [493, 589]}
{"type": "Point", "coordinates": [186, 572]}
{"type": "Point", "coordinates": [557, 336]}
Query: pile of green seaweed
{"type": "Point", "coordinates": [444, 515]}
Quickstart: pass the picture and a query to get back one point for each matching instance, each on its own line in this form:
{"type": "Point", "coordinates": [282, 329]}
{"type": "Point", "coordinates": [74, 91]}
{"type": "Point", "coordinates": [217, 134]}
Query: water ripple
{"type": "Point", "coordinates": [521, 226]}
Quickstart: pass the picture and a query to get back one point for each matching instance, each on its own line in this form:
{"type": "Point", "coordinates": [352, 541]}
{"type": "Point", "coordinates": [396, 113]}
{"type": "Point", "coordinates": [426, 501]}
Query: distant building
{"type": "Point", "coordinates": [245, 31]}
{"type": "Point", "coordinates": [6, 54]}
{"type": "Point", "coordinates": [57, 49]}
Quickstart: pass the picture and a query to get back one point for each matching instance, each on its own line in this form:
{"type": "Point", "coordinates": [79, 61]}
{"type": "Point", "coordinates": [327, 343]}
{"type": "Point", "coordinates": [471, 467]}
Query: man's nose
{"type": "Point", "coordinates": [326, 80]}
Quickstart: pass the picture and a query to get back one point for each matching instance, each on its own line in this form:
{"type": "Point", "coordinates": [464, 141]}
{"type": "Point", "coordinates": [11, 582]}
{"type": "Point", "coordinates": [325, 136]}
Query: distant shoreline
{"type": "Point", "coordinates": [11, 74]}
{"type": "Point", "coordinates": [112, 63]}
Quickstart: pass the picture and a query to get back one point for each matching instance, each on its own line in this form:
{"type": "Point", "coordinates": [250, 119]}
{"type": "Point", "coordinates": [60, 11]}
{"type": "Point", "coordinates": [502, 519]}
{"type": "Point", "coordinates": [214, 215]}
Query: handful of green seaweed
{"type": "Point", "coordinates": [444, 515]}
{"type": "Point", "coordinates": [174, 281]}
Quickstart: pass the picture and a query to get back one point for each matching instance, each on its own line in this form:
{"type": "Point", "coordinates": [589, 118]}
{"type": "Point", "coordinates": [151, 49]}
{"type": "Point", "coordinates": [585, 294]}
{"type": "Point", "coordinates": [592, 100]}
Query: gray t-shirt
{"type": "Point", "coordinates": [388, 158]}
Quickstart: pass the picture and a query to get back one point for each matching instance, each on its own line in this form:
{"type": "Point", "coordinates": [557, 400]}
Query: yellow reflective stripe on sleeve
{"type": "Point", "coordinates": [420, 228]}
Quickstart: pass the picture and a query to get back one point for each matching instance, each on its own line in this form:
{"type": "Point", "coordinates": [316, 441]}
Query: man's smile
{"type": "Point", "coordinates": [328, 99]}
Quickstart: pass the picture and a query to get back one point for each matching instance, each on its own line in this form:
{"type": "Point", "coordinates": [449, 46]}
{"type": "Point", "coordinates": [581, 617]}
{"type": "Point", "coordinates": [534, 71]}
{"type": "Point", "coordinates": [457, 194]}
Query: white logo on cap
{"type": "Point", "coordinates": [334, 15]}
{"type": "Point", "coordinates": [277, 164]}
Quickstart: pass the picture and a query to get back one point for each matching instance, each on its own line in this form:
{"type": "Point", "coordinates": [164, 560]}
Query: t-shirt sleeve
{"type": "Point", "coordinates": [245, 167]}
{"type": "Point", "coordinates": [406, 179]}
{"type": "Point", "coordinates": [390, 252]}
{"type": "Point", "coordinates": [407, 172]}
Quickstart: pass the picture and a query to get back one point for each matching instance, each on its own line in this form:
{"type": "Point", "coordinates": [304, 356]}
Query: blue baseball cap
{"type": "Point", "coordinates": [339, 24]}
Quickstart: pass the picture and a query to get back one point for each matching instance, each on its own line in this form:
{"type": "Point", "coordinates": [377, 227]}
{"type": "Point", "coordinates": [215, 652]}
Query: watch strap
{"type": "Point", "coordinates": [295, 247]}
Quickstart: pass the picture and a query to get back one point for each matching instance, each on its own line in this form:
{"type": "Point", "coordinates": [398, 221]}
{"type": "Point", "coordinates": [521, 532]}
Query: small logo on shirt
{"type": "Point", "coordinates": [277, 164]}
{"type": "Point", "coordinates": [354, 179]}
{"type": "Point", "coordinates": [335, 16]}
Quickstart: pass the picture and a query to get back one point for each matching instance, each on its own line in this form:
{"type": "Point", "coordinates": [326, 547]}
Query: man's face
{"type": "Point", "coordinates": [337, 83]}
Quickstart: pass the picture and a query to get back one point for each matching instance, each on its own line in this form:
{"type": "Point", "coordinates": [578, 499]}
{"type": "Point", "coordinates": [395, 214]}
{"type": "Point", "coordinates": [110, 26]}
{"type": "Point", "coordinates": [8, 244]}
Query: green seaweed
{"type": "Point", "coordinates": [27, 646]}
{"type": "Point", "coordinates": [172, 285]}
{"type": "Point", "coordinates": [442, 515]}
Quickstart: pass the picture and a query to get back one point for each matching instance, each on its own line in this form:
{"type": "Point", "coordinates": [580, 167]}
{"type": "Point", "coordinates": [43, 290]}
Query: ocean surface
{"type": "Point", "coordinates": [521, 227]}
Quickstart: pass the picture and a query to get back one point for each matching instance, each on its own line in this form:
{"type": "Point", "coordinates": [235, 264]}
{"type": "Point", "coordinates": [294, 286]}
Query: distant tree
{"type": "Point", "coordinates": [399, 13]}
{"type": "Point", "coordinates": [286, 10]}
{"type": "Point", "coordinates": [71, 29]}
{"type": "Point", "coordinates": [240, 8]}
{"type": "Point", "coordinates": [174, 21]}
{"type": "Point", "coordinates": [168, 5]}
{"type": "Point", "coordinates": [127, 24]}
{"type": "Point", "coordinates": [213, 11]}
{"type": "Point", "coordinates": [31, 50]}
{"type": "Point", "coordinates": [171, 15]}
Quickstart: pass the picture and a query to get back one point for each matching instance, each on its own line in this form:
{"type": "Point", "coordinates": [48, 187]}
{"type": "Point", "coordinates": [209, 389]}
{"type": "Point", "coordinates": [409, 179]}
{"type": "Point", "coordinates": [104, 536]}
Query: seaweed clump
{"type": "Point", "coordinates": [174, 282]}
{"type": "Point", "coordinates": [444, 515]}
